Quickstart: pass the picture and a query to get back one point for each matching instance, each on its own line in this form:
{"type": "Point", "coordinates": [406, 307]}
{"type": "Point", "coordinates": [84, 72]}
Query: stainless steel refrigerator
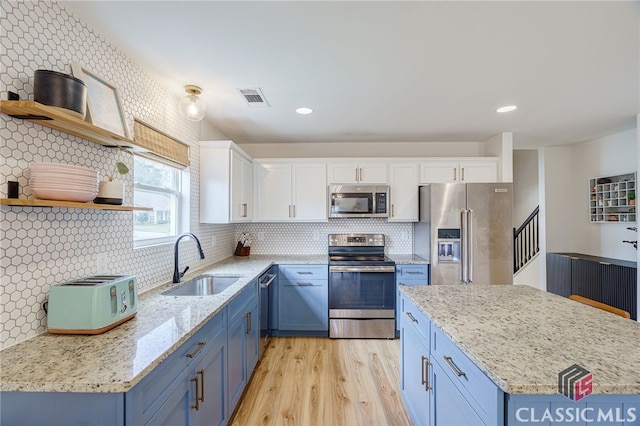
{"type": "Point", "coordinates": [466, 232]}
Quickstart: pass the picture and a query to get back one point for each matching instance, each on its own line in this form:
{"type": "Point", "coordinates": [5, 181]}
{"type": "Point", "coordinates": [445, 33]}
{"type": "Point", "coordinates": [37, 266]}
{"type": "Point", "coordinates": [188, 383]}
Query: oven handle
{"type": "Point", "coordinates": [362, 268]}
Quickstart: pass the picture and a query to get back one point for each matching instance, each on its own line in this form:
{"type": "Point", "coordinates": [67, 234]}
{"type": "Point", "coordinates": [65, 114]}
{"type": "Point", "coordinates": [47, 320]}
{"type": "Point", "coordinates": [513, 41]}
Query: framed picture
{"type": "Point", "coordinates": [104, 109]}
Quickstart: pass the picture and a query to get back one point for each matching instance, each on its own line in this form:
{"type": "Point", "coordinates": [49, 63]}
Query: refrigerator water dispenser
{"type": "Point", "coordinates": [449, 245]}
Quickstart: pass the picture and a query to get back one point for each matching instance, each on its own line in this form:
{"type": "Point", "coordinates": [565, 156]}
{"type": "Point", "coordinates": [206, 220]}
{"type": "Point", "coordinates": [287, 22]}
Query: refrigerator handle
{"type": "Point", "coordinates": [470, 238]}
{"type": "Point", "coordinates": [463, 247]}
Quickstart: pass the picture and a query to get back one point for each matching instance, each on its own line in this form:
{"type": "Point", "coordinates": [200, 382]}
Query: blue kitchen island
{"type": "Point", "coordinates": [515, 355]}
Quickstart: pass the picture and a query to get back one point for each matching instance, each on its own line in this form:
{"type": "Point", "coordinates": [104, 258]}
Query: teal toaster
{"type": "Point", "coordinates": [92, 305]}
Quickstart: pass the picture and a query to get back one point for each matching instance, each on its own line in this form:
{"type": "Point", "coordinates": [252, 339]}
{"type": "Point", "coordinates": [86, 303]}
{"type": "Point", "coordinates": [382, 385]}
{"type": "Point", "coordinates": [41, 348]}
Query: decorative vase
{"type": "Point", "coordinates": [110, 192]}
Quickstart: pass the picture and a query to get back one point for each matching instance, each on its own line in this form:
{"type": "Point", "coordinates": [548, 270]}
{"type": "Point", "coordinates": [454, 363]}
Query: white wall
{"type": "Point", "coordinates": [531, 274]}
{"type": "Point", "coordinates": [365, 149]}
{"type": "Point", "coordinates": [610, 155]}
{"type": "Point", "coordinates": [525, 184]}
{"type": "Point", "coordinates": [556, 202]}
{"type": "Point", "coordinates": [567, 170]}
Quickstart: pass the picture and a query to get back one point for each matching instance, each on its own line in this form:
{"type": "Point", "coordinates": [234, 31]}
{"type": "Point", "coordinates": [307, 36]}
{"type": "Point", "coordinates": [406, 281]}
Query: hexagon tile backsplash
{"type": "Point", "coordinates": [43, 246]}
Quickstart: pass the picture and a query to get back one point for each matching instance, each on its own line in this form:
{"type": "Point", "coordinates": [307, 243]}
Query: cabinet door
{"type": "Point", "coordinates": [439, 172]}
{"type": "Point", "coordinates": [241, 188]}
{"type": "Point", "coordinates": [343, 173]}
{"type": "Point", "coordinates": [416, 377]}
{"type": "Point", "coordinates": [309, 192]}
{"type": "Point", "coordinates": [619, 287]}
{"type": "Point", "coordinates": [236, 370]}
{"type": "Point", "coordinates": [559, 274]}
{"type": "Point", "coordinates": [211, 372]}
{"type": "Point", "coordinates": [585, 279]}
{"type": "Point", "coordinates": [358, 172]}
{"type": "Point", "coordinates": [404, 192]}
{"type": "Point", "coordinates": [273, 191]}
{"type": "Point", "coordinates": [373, 173]}
{"type": "Point", "coordinates": [478, 171]}
{"type": "Point", "coordinates": [176, 408]}
{"type": "Point", "coordinates": [252, 336]}
{"type": "Point", "coordinates": [304, 305]}
{"type": "Point", "coordinates": [450, 408]}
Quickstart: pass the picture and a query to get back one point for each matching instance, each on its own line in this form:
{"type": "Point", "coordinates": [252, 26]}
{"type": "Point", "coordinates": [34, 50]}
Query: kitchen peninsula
{"type": "Point", "coordinates": [496, 352]}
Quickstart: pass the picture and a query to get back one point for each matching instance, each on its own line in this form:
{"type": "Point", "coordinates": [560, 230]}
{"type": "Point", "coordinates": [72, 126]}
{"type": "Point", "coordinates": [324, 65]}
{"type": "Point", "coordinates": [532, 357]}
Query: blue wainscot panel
{"type": "Point", "coordinates": [601, 410]}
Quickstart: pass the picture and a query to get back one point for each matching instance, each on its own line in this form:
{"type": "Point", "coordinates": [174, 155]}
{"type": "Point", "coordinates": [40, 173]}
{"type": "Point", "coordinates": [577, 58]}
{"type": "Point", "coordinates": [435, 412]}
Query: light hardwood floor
{"type": "Point", "coordinates": [306, 381]}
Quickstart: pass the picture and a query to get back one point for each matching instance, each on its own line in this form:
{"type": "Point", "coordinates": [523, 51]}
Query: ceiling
{"type": "Point", "coordinates": [391, 71]}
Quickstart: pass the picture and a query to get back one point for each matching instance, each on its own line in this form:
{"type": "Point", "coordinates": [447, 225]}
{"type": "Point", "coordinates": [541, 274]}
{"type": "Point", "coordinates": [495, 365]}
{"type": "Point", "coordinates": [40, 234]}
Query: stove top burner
{"type": "Point", "coordinates": [357, 249]}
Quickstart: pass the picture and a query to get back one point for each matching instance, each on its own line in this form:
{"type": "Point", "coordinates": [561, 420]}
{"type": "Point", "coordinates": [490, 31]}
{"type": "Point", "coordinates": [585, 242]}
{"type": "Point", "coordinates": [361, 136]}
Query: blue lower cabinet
{"type": "Point", "coordinates": [172, 394]}
{"type": "Point", "coordinates": [61, 408]}
{"type": "Point", "coordinates": [416, 378]}
{"type": "Point", "coordinates": [303, 298]}
{"type": "Point", "coordinates": [243, 342]}
{"type": "Point", "coordinates": [450, 408]}
{"type": "Point", "coordinates": [408, 275]}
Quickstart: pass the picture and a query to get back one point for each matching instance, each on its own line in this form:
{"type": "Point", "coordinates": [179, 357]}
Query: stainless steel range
{"type": "Point", "coordinates": [362, 294]}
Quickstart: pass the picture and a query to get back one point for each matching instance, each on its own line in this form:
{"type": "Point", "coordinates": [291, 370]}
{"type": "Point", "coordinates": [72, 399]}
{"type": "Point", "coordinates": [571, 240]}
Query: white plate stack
{"type": "Point", "coordinates": [63, 182]}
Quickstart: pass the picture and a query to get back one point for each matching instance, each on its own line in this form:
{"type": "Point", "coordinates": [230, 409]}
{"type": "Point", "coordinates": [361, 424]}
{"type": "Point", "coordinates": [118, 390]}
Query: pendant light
{"type": "Point", "coordinates": [191, 106]}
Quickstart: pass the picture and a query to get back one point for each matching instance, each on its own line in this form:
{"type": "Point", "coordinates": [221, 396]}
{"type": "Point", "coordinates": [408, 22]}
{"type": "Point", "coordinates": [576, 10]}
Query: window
{"type": "Point", "coordinates": [157, 185]}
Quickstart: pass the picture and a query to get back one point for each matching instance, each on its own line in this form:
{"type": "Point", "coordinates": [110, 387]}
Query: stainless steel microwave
{"type": "Point", "coordinates": [358, 201]}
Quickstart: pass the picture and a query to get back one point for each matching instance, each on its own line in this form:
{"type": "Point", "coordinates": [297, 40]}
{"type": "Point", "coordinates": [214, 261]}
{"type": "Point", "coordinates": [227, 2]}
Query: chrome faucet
{"type": "Point", "coordinates": [176, 273]}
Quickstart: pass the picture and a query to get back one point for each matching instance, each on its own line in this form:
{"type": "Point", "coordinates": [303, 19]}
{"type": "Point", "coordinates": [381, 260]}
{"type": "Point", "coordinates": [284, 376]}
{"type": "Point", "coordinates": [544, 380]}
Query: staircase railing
{"type": "Point", "coordinates": [526, 243]}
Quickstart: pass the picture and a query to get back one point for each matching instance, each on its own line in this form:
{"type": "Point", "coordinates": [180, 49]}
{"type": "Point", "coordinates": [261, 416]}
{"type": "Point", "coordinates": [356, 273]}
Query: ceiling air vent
{"type": "Point", "coordinates": [254, 97]}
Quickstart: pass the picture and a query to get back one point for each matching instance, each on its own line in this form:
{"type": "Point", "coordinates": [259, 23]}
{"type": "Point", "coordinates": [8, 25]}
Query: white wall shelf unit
{"type": "Point", "coordinates": [612, 199]}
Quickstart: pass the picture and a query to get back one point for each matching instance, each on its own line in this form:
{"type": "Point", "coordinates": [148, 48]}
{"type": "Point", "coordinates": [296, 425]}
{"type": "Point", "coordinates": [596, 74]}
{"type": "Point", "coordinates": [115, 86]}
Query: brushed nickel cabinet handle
{"type": "Point", "coordinates": [248, 327]}
{"type": "Point", "coordinates": [244, 210]}
{"type": "Point", "coordinates": [425, 378]}
{"type": "Point", "coordinates": [357, 174]}
{"type": "Point", "coordinates": [392, 213]}
{"type": "Point", "coordinates": [197, 405]}
{"type": "Point", "coordinates": [198, 349]}
{"type": "Point", "coordinates": [201, 373]}
{"type": "Point", "coordinates": [455, 174]}
{"type": "Point", "coordinates": [412, 272]}
{"type": "Point", "coordinates": [304, 273]}
{"type": "Point", "coordinates": [454, 367]}
{"type": "Point", "coordinates": [294, 210]}
{"type": "Point", "coordinates": [411, 317]}
{"type": "Point", "coordinates": [462, 170]}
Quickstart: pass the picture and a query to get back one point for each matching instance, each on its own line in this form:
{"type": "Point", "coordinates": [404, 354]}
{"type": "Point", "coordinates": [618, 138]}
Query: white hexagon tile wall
{"type": "Point", "coordinates": [42, 246]}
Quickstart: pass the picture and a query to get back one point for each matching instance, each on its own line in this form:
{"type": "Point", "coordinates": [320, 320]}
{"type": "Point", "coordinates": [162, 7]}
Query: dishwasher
{"type": "Point", "coordinates": [265, 285]}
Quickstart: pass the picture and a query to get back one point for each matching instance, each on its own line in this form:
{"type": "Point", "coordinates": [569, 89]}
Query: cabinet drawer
{"type": "Point", "coordinates": [148, 395]}
{"type": "Point", "coordinates": [412, 272]}
{"type": "Point", "coordinates": [304, 272]}
{"type": "Point", "coordinates": [413, 317]}
{"type": "Point", "coordinates": [237, 305]}
{"type": "Point", "coordinates": [481, 393]}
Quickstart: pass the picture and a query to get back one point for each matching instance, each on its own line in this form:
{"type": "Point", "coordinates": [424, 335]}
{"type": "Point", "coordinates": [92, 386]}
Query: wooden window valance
{"type": "Point", "coordinates": [160, 146]}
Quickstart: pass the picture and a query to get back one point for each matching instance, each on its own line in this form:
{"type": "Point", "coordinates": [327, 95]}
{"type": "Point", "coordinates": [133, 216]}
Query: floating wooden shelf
{"type": "Point", "coordinates": [56, 119]}
{"type": "Point", "coordinates": [69, 204]}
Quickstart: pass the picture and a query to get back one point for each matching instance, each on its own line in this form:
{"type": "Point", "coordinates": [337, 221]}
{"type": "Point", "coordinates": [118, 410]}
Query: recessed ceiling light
{"type": "Point", "coordinates": [304, 110]}
{"type": "Point", "coordinates": [507, 108]}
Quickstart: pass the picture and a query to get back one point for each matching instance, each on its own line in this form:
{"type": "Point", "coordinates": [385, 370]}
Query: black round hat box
{"type": "Point", "coordinates": [60, 90]}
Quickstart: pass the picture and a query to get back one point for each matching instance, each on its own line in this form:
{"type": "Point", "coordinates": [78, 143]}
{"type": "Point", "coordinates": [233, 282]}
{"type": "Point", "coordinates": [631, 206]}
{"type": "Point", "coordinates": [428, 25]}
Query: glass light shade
{"type": "Point", "coordinates": [192, 107]}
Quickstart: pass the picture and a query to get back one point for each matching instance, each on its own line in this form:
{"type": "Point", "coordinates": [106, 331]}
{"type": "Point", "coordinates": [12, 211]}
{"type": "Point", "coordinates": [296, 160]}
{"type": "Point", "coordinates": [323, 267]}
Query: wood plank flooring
{"type": "Point", "coordinates": [307, 381]}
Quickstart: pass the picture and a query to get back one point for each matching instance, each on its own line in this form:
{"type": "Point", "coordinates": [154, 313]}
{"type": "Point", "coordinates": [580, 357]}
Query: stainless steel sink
{"type": "Point", "coordinates": [204, 285]}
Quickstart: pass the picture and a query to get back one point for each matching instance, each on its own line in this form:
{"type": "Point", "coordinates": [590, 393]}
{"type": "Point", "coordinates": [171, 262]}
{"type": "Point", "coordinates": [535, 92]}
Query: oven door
{"type": "Point", "coordinates": [360, 290]}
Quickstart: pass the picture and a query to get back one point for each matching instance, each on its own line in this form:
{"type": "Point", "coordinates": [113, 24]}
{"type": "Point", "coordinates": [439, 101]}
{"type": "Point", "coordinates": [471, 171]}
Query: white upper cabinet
{"type": "Point", "coordinates": [226, 183]}
{"type": "Point", "coordinates": [403, 191]}
{"type": "Point", "coordinates": [358, 172]}
{"type": "Point", "coordinates": [289, 191]}
{"type": "Point", "coordinates": [459, 170]}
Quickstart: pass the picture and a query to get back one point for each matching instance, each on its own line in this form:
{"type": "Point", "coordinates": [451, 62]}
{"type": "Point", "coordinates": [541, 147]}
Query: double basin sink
{"type": "Point", "coordinates": [203, 285]}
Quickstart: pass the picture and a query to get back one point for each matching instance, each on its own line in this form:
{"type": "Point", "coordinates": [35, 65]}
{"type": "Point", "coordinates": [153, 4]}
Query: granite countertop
{"type": "Point", "coordinates": [408, 259]}
{"type": "Point", "coordinates": [118, 359]}
{"type": "Point", "coordinates": [522, 337]}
